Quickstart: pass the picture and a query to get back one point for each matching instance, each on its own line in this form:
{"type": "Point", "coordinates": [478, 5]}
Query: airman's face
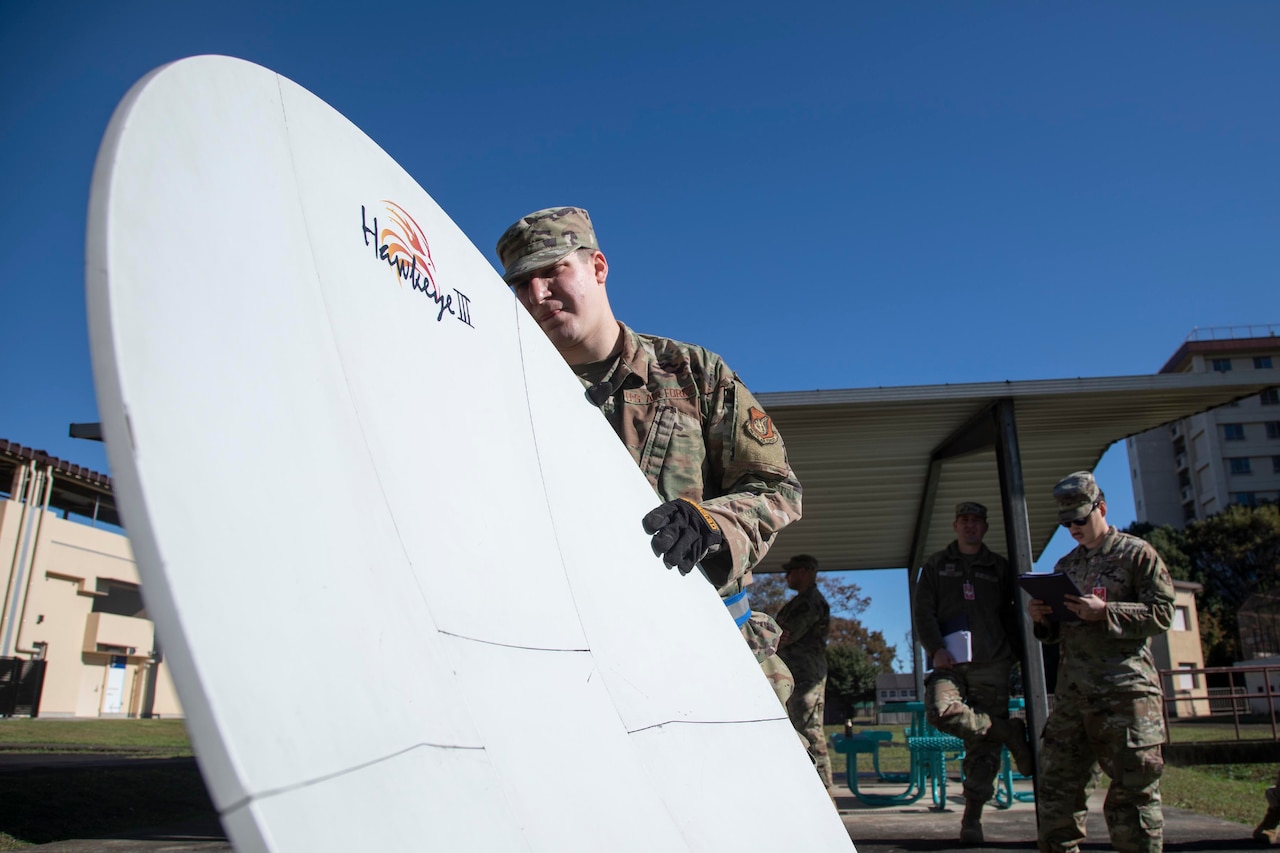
{"type": "Point", "coordinates": [970, 529]}
{"type": "Point", "coordinates": [1094, 528]}
{"type": "Point", "coordinates": [567, 298]}
{"type": "Point", "coordinates": [800, 578]}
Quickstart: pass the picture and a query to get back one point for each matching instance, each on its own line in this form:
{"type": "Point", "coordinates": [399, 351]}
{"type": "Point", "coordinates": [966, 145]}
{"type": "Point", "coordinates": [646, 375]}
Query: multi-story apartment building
{"type": "Point", "coordinates": [1197, 466]}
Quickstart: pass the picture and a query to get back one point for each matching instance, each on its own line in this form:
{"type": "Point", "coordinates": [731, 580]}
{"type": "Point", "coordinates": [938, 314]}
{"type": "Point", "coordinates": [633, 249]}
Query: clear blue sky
{"type": "Point", "coordinates": [830, 195]}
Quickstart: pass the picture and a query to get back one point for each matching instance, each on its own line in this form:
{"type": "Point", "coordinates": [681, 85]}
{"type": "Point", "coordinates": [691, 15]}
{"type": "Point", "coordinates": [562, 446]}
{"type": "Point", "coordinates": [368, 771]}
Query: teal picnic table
{"type": "Point", "coordinates": [930, 751]}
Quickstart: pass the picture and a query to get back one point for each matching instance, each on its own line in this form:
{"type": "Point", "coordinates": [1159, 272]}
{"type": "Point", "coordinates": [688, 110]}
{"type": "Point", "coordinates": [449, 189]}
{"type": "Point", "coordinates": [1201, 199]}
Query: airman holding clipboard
{"type": "Point", "coordinates": [965, 619]}
{"type": "Point", "coordinates": [1107, 704]}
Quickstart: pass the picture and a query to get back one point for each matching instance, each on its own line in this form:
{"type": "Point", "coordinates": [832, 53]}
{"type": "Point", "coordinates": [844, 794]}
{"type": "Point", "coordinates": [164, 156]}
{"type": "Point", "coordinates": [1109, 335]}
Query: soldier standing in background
{"type": "Point", "coordinates": [805, 622]}
{"type": "Point", "coordinates": [1107, 706]}
{"type": "Point", "coordinates": [697, 433]}
{"type": "Point", "coordinates": [1268, 829]}
{"type": "Point", "coordinates": [966, 598]}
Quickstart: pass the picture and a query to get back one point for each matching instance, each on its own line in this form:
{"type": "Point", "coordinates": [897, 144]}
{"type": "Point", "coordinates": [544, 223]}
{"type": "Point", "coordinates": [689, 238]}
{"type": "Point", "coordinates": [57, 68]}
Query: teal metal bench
{"type": "Point", "coordinates": [862, 744]}
{"type": "Point", "coordinates": [929, 754]}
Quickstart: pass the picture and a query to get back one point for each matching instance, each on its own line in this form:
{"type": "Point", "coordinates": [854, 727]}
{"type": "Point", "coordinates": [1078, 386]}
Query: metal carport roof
{"type": "Point", "coordinates": [864, 455]}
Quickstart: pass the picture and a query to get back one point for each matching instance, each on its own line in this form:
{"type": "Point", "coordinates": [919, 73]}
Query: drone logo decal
{"type": "Point", "coordinates": [403, 247]}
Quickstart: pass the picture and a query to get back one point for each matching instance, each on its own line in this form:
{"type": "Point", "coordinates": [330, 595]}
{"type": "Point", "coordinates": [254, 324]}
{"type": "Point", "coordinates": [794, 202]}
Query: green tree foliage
{"type": "Point", "coordinates": [851, 677]}
{"type": "Point", "coordinates": [1170, 542]}
{"type": "Point", "coordinates": [1233, 554]}
{"type": "Point", "coordinates": [852, 633]}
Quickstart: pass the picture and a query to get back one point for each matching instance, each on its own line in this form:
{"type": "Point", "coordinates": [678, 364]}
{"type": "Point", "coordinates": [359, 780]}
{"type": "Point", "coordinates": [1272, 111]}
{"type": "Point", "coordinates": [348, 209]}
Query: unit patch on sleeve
{"type": "Point", "coordinates": [760, 426]}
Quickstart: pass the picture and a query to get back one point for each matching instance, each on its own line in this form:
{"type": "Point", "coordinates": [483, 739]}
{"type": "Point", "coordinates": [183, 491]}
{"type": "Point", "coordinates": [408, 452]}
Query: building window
{"type": "Point", "coordinates": [1234, 432]}
{"type": "Point", "coordinates": [1179, 619]}
{"type": "Point", "coordinates": [1222, 365]}
{"type": "Point", "coordinates": [1270, 397]}
{"type": "Point", "coordinates": [1185, 682]}
{"type": "Point", "coordinates": [1188, 511]}
{"type": "Point", "coordinates": [1240, 465]}
{"type": "Point", "coordinates": [1275, 464]}
{"type": "Point", "coordinates": [1273, 429]}
{"type": "Point", "coordinates": [1244, 498]}
{"type": "Point", "coordinates": [1262, 362]}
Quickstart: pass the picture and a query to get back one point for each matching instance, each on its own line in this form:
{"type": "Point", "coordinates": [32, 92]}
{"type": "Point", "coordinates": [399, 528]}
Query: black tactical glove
{"type": "Point", "coordinates": [683, 533]}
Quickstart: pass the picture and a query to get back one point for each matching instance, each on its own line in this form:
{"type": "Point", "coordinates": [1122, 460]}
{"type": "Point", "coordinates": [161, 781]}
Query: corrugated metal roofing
{"type": "Point", "coordinates": [863, 454]}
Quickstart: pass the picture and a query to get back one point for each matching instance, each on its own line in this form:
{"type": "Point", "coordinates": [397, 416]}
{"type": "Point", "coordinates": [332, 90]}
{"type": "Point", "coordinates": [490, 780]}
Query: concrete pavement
{"type": "Point", "coordinates": [896, 829]}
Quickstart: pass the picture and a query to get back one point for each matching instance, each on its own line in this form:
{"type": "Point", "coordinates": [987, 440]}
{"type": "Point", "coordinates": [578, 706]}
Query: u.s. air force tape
{"type": "Point", "coordinates": [739, 607]}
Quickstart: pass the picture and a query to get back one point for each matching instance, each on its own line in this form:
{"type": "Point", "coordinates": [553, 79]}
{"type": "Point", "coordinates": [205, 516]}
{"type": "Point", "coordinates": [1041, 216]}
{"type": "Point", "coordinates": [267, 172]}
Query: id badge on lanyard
{"type": "Point", "coordinates": [968, 591]}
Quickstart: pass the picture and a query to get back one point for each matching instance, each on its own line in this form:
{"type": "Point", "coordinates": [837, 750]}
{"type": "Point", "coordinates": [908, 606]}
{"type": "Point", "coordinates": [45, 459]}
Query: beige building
{"type": "Point", "coordinates": [1197, 466]}
{"type": "Point", "coordinates": [72, 609]}
{"type": "Point", "coordinates": [1179, 648]}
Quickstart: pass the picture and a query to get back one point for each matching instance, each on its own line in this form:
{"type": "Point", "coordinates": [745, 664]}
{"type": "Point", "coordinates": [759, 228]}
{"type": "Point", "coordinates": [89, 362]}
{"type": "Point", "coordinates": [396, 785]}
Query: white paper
{"type": "Point", "coordinates": [960, 644]}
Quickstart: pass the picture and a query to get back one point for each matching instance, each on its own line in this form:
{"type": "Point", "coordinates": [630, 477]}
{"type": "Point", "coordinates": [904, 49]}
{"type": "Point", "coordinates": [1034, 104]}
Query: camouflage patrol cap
{"type": "Point", "coordinates": [801, 561]}
{"type": "Point", "coordinates": [971, 508]}
{"type": "Point", "coordinates": [1076, 494]}
{"type": "Point", "coordinates": [543, 237]}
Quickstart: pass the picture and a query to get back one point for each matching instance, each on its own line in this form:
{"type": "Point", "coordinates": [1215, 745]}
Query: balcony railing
{"type": "Point", "coordinates": [1250, 701]}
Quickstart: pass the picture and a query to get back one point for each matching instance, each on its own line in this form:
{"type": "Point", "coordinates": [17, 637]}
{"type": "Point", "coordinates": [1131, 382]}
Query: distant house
{"type": "Point", "coordinates": [894, 687]}
{"type": "Point", "coordinates": [1179, 648]}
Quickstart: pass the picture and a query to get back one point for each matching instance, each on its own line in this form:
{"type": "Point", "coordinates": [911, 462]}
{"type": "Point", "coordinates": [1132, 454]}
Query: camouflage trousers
{"type": "Point", "coordinates": [762, 635]}
{"type": "Point", "coordinates": [962, 701]}
{"type": "Point", "coordinates": [806, 709]}
{"type": "Point", "coordinates": [1122, 734]}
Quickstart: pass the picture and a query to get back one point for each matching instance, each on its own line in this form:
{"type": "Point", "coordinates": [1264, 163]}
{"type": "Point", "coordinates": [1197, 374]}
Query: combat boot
{"type": "Point", "coordinates": [1267, 830]}
{"type": "Point", "coordinates": [1013, 734]}
{"type": "Point", "coordinates": [971, 823]}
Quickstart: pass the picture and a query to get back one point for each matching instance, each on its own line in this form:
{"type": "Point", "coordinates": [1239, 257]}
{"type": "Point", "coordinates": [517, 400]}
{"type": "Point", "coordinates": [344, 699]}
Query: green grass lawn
{"type": "Point", "coordinates": [1229, 791]}
{"type": "Point", "coordinates": [154, 738]}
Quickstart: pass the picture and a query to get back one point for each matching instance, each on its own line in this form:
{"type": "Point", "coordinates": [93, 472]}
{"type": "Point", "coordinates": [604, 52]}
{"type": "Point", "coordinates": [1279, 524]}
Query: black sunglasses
{"type": "Point", "coordinates": [1079, 522]}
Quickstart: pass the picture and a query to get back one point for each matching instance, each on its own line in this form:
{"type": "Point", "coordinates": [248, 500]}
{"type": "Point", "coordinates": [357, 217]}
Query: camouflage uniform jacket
{"type": "Point", "coordinates": [989, 610]}
{"type": "Point", "coordinates": [805, 621]}
{"type": "Point", "coordinates": [1114, 655]}
{"type": "Point", "coordinates": [697, 433]}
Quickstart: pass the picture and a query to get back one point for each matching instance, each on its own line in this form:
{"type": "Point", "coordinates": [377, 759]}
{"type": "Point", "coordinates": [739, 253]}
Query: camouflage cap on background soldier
{"type": "Point", "coordinates": [801, 561]}
{"type": "Point", "coordinates": [971, 508]}
{"type": "Point", "coordinates": [541, 238]}
{"type": "Point", "coordinates": [1076, 494]}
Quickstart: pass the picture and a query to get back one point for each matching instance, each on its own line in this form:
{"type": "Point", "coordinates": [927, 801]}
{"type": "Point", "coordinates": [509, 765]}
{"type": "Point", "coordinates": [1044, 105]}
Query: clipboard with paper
{"type": "Point", "coordinates": [1052, 588]}
{"type": "Point", "coordinates": [957, 638]}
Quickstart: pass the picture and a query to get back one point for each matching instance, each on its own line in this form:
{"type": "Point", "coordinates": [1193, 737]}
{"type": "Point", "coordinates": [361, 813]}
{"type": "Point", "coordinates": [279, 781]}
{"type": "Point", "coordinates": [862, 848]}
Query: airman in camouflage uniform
{"type": "Point", "coordinates": [1268, 829]}
{"type": "Point", "coordinates": [969, 587]}
{"type": "Point", "coordinates": [806, 621]}
{"type": "Point", "coordinates": [700, 437]}
{"type": "Point", "coordinates": [1107, 705]}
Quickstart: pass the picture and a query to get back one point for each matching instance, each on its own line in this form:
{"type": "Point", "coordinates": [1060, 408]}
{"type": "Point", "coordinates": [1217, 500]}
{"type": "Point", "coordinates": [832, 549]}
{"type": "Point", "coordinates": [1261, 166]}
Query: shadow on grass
{"type": "Point", "coordinates": [42, 805]}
